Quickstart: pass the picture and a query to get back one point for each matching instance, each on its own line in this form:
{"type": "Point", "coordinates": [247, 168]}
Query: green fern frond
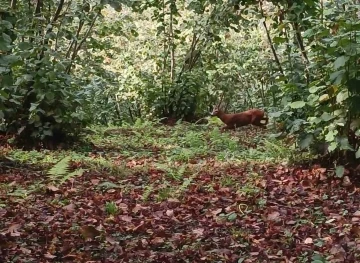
{"type": "Point", "coordinates": [61, 168]}
{"type": "Point", "coordinates": [75, 173]}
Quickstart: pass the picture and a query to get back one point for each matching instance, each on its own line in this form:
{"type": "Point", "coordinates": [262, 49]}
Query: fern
{"type": "Point", "coordinates": [61, 168]}
{"type": "Point", "coordinates": [59, 173]}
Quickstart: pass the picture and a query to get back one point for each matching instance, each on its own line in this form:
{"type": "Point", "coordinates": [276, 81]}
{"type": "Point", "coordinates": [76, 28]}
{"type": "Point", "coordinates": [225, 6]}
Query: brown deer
{"type": "Point", "coordinates": [255, 117]}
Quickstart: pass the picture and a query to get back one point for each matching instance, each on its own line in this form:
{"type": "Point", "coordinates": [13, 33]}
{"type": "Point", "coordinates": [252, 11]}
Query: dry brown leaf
{"type": "Point", "coordinates": [308, 240]}
{"type": "Point", "coordinates": [89, 232]}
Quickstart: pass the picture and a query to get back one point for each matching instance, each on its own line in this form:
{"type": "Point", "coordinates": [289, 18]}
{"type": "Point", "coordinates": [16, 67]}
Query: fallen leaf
{"type": "Point", "coordinates": [49, 256]}
{"type": "Point", "coordinates": [13, 230]}
{"type": "Point", "coordinates": [357, 213]}
{"type": "Point", "coordinates": [111, 240]}
{"type": "Point", "coordinates": [170, 213]}
{"type": "Point", "coordinates": [89, 232]}
{"type": "Point", "coordinates": [95, 181]}
{"type": "Point", "coordinates": [273, 216]}
{"type": "Point", "coordinates": [2, 212]}
{"type": "Point", "coordinates": [198, 231]}
{"type": "Point", "coordinates": [308, 240]}
{"type": "Point", "coordinates": [69, 207]}
{"type": "Point", "coordinates": [52, 188]}
{"type": "Point", "coordinates": [217, 211]}
{"type": "Point", "coordinates": [25, 250]}
{"type": "Point", "coordinates": [157, 240]}
{"type": "Point", "coordinates": [126, 218]}
{"type": "Point", "coordinates": [346, 181]}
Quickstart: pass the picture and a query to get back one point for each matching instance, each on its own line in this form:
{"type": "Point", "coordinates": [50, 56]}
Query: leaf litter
{"type": "Point", "coordinates": [238, 212]}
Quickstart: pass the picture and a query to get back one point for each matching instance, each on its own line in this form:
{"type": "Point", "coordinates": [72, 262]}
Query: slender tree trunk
{"type": "Point", "coordinates": [172, 46]}
{"type": "Point", "coordinates": [270, 42]}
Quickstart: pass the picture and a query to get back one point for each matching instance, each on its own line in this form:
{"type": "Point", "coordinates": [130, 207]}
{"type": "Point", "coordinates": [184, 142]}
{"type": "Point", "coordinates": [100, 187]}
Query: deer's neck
{"type": "Point", "coordinates": [222, 116]}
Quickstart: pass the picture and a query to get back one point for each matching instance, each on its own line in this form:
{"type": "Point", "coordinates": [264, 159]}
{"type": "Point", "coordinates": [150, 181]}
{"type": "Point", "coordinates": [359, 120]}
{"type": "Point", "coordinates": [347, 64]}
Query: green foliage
{"type": "Point", "coordinates": [111, 208]}
{"type": "Point", "coordinates": [41, 68]}
{"type": "Point", "coordinates": [59, 173]}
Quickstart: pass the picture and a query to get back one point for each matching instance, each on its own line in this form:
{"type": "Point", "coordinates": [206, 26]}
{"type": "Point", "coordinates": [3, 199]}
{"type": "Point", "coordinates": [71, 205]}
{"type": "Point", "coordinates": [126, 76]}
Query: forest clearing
{"type": "Point", "coordinates": [187, 193]}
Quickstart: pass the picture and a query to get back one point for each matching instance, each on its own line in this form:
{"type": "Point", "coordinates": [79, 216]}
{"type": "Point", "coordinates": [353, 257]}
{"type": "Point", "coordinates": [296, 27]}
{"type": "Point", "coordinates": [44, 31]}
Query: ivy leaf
{"type": "Point", "coordinates": [340, 62]}
{"type": "Point", "coordinates": [305, 143]}
{"type": "Point", "coordinates": [24, 45]}
{"type": "Point", "coordinates": [326, 116]}
{"type": "Point", "coordinates": [324, 97]}
{"type": "Point", "coordinates": [344, 144]}
{"type": "Point", "coordinates": [357, 154]}
{"type": "Point", "coordinates": [330, 136]}
{"type": "Point", "coordinates": [339, 171]}
{"type": "Point", "coordinates": [33, 106]}
{"type": "Point", "coordinates": [315, 89]}
{"type": "Point", "coordinates": [5, 41]}
{"type": "Point", "coordinates": [341, 96]}
{"type": "Point", "coordinates": [336, 74]}
{"type": "Point", "coordinates": [332, 146]}
{"type": "Point", "coordinates": [297, 104]}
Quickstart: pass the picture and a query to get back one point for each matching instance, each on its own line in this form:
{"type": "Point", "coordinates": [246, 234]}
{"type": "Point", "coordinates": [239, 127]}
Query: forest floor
{"type": "Point", "coordinates": [187, 193]}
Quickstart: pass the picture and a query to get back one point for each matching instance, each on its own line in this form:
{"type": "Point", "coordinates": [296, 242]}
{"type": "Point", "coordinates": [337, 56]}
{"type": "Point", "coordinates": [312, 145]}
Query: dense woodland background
{"type": "Point", "coordinates": [67, 64]}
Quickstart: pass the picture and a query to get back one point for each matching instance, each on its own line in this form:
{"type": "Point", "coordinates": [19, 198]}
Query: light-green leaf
{"type": "Point", "coordinates": [330, 136]}
{"type": "Point", "coordinates": [340, 62]}
{"type": "Point", "coordinates": [297, 104]}
{"type": "Point", "coordinates": [315, 88]}
{"type": "Point", "coordinates": [342, 95]}
{"type": "Point", "coordinates": [326, 116]}
{"type": "Point", "coordinates": [324, 97]}
{"type": "Point", "coordinates": [305, 143]}
{"type": "Point", "coordinates": [344, 144]}
{"type": "Point", "coordinates": [339, 171]}
{"type": "Point", "coordinates": [24, 45]}
{"type": "Point", "coordinates": [33, 106]}
{"type": "Point", "coordinates": [357, 154]}
{"type": "Point", "coordinates": [332, 146]}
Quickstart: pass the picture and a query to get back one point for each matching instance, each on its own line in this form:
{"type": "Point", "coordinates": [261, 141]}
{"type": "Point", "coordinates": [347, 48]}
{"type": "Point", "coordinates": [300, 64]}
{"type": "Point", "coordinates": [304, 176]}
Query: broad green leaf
{"type": "Point", "coordinates": [8, 60]}
{"type": "Point", "coordinates": [4, 70]}
{"type": "Point", "coordinates": [47, 132]}
{"type": "Point", "coordinates": [315, 88]}
{"type": "Point", "coordinates": [324, 97]}
{"type": "Point", "coordinates": [339, 171]}
{"type": "Point", "coordinates": [339, 112]}
{"type": "Point", "coordinates": [344, 144]}
{"type": "Point", "coordinates": [340, 62]}
{"type": "Point", "coordinates": [335, 75]}
{"type": "Point", "coordinates": [357, 154]}
{"type": "Point", "coordinates": [4, 94]}
{"type": "Point", "coordinates": [305, 143]}
{"type": "Point", "coordinates": [297, 104]}
{"type": "Point", "coordinates": [309, 33]}
{"type": "Point", "coordinates": [326, 116]}
{"type": "Point", "coordinates": [315, 120]}
{"type": "Point", "coordinates": [332, 146]}
{"type": "Point", "coordinates": [7, 80]}
{"type": "Point", "coordinates": [330, 136]}
{"type": "Point", "coordinates": [341, 96]}
{"type": "Point", "coordinates": [24, 45]}
{"type": "Point", "coordinates": [275, 114]}
{"type": "Point", "coordinates": [33, 106]}
{"type": "Point", "coordinates": [50, 96]}
{"type": "Point", "coordinates": [5, 42]}
{"type": "Point", "coordinates": [232, 217]}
